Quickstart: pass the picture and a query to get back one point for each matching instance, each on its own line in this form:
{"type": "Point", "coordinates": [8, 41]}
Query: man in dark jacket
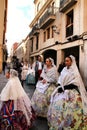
{"type": "Point", "coordinates": [38, 68]}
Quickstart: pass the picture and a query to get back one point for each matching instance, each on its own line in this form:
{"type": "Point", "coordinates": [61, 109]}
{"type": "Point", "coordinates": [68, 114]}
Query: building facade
{"type": "Point", "coordinates": [22, 50]}
{"type": "Point", "coordinates": [42, 39]}
{"type": "Point", "coordinates": [58, 29]}
{"type": "Point", "coordinates": [3, 20]}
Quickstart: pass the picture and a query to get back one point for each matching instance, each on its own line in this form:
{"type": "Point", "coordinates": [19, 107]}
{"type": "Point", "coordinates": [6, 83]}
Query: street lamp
{"type": "Point", "coordinates": [54, 27]}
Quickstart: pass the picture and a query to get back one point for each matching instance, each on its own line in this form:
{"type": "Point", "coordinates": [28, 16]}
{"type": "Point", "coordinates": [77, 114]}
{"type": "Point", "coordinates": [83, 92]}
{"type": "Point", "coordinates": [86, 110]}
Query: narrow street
{"type": "Point", "coordinates": [40, 123]}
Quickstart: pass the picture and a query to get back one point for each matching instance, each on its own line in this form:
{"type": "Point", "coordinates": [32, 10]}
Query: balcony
{"type": "Point", "coordinates": [48, 17]}
{"type": "Point", "coordinates": [34, 31]}
{"type": "Point", "coordinates": [66, 4]}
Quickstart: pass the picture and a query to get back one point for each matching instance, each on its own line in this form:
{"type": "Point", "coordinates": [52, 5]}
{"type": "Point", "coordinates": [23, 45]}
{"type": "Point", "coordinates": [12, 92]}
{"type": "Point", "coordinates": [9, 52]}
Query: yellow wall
{"type": "Point", "coordinates": [2, 3]}
{"type": "Point", "coordinates": [85, 15]}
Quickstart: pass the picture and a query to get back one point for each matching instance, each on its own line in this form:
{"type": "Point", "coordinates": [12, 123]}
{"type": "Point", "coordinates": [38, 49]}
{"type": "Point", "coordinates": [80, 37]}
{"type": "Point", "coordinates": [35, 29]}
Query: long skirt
{"type": "Point", "coordinates": [24, 74]}
{"type": "Point", "coordinates": [66, 113]}
{"type": "Point", "coordinates": [30, 79]}
{"type": "Point", "coordinates": [40, 101]}
{"type": "Point", "coordinates": [11, 119]}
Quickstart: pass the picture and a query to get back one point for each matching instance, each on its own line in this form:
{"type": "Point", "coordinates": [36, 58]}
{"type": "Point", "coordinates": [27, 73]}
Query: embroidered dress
{"type": "Point", "coordinates": [66, 110]}
{"type": "Point", "coordinates": [15, 106]}
{"type": "Point", "coordinates": [30, 79]}
{"type": "Point", "coordinates": [24, 72]}
{"type": "Point", "coordinates": [67, 113]}
{"type": "Point", "coordinates": [41, 97]}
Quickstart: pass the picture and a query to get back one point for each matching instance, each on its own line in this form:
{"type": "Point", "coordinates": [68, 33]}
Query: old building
{"type": "Point", "coordinates": [22, 50]}
{"type": "Point", "coordinates": [74, 32]}
{"type": "Point", "coordinates": [42, 36]}
{"type": "Point", "coordinates": [3, 20]}
{"type": "Point", "coordinates": [58, 29]}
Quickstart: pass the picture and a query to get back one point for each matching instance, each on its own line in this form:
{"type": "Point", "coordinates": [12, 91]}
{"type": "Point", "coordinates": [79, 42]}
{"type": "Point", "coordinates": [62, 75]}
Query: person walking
{"type": "Point", "coordinates": [44, 88]}
{"type": "Point", "coordinates": [30, 79]}
{"type": "Point", "coordinates": [17, 65]}
{"type": "Point", "coordinates": [39, 64]}
{"type": "Point", "coordinates": [4, 66]}
{"type": "Point", "coordinates": [24, 72]}
{"type": "Point", "coordinates": [15, 106]}
{"type": "Point", "coordinates": [68, 107]}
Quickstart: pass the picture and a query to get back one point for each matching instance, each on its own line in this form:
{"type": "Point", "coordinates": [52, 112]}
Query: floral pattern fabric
{"type": "Point", "coordinates": [67, 114]}
{"type": "Point", "coordinates": [40, 101]}
{"type": "Point", "coordinates": [11, 119]}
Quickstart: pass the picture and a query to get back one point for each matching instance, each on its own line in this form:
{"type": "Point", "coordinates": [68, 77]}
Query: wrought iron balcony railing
{"type": "Point", "coordinates": [66, 4]}
{"type": "Point", "coordinates": [35, 30]}
{"type": "Point", "coordinates": [48, 17]}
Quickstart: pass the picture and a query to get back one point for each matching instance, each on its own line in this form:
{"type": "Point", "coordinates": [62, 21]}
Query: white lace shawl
{"type": "Point", "coordinates": [50, 76]}
{"type": "Point", "coordinates": [72, 75]}
{"type": "Point", "coordinates": [14, 91]}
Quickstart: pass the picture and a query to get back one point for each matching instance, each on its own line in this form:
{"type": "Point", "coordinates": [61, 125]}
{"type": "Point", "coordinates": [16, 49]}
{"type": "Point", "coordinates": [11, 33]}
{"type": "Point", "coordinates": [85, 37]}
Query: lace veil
{"type": "Point", "coordinates": [81, 85]}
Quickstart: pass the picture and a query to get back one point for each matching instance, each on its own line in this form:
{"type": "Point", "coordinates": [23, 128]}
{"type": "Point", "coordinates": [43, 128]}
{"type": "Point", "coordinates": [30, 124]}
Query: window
{"type": "Point", "coordinates": [53, 6]}
{"type": "Point", "coordinates": [37, 41]}
{"type": "Point", "coordinates": [44, 36]}
{"type": "Point", "coordinates": [32, 60]}
{"type": "Point", "coordinates": [48, 33]}
{"type": "Point", "coordinates": [38, 7]}
{"type": "Point", "coordinates": [31, 45]}
{"type": "Point", "coordinates": [52, 32]}
{"type": "Point", "coordinates": [69, 24]}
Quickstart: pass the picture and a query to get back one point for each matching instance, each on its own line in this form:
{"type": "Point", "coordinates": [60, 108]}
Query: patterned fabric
{"type": "Point", "coordinates": [49, 75]}
{"type": "Point", "coordinates": [11, 119]}
{"type": "Point", "coordinates": [67, 113]}
{"type": "Point", "coordinates": [24, 72]}
{"type": "Point", "coordinates": [40, 101]}
{"type": "Point", "coordinates": [30, 79]}
{"type": "Point", "coordinates": [41, 97]}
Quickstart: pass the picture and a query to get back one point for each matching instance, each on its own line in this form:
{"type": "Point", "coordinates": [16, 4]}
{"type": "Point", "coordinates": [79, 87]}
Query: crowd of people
{"type": "Point", "coordinates": [29, 73]}
{"type": "Point", "coordinates": [60, 96]}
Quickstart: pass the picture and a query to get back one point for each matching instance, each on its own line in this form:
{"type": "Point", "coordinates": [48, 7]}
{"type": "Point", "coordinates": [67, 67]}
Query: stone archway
{"type": "Point", "coordinates": [50, 53]}
{"type": "Point", "coordinates": [72, 51]}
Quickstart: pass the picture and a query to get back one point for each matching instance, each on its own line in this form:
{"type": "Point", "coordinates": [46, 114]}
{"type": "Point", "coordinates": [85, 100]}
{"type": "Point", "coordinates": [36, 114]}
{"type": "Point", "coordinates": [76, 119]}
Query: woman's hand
{"type": "Point", "coordinates": [44, 81]}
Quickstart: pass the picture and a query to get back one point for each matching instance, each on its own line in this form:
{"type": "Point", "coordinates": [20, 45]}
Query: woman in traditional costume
{"type": "Point", "coordinates": [44, 87]}
{"type": "Point", "coordinates": [15, 106]}
{"type": "Point", "coordinates": [68, 107]}
{"type": "Point", "coordinates": [24, 72]}
{"type": "Point", "coordinates": [30, 79]}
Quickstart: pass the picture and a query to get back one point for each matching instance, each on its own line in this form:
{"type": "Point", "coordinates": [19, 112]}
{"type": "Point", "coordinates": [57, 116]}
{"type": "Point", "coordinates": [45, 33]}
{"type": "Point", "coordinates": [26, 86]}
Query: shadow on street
{"type": "Point", "coordinates": [40, 123]}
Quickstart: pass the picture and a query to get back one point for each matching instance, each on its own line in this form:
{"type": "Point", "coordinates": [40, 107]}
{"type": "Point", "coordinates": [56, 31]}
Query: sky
{"type": "Point", "coordinates": [20, 15]}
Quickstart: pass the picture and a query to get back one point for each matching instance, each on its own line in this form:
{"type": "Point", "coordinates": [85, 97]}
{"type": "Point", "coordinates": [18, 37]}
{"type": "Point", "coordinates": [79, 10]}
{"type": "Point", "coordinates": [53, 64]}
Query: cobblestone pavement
{"type": "Point", "coordinates": [40, 123]}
